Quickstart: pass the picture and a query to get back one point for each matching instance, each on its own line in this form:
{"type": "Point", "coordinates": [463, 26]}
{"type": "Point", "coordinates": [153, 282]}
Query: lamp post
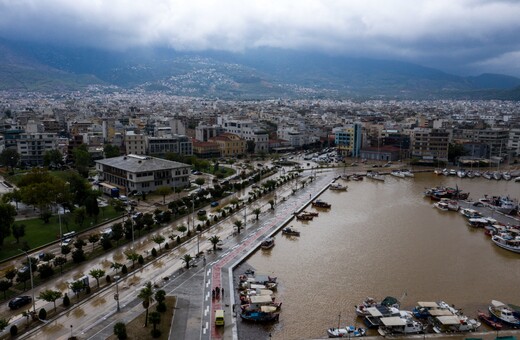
{"type": "Point", "coordinates": [129, 209]}
{"type": "Point", "coordinates": [71, 331]}
{"type": "Point", "coordinates": [192, 213]}
{"type": "Point", "coordinates": [198, 241]}
{"type": "Point", "coordinates": [61, 233]}
{"type": "Point", "coordinates": [32, 283]}
{"type": "Point", "coordinates": [245, 216]}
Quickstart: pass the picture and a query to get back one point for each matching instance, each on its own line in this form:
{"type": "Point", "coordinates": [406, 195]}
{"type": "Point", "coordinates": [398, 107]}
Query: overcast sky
{"type": "Point", "coordinates": [462, 36]}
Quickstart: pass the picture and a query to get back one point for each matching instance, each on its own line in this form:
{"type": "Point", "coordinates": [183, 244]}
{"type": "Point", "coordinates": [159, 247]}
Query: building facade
{"type": "Point", "coordinates": [32, 147]}
{"type": "Point", "coordinates": [348, 139]}
{"type": "Point", "coordinates": [430, 144]}
{"type": "Point", "coordinates": [230, 144]}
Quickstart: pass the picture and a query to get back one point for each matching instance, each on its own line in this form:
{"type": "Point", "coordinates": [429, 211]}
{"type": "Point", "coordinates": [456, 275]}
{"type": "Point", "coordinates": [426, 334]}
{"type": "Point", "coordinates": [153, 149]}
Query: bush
{"type": "Point", "coordinates": [179, 240]}
{"type": "Point", "coordinates": [120, 330]}
{"type": "Point", "coordinates": [108, 279]}
{"type": "Point", "coordinates": [155, 333]}
{"type": "Point", "coordinates": [124, 269]}
{"type": "Point", "coordinates": [106, 243]}
{"type": "Point", "coordinates": [161, 307]}
{"type": "Point", "coordinates": [140, 260]}
{"type": "Point", "coordinates": [87, 290]}
{"type": "Point", "coordinates": [13, 330]}
{"type": "Point", "coordinates": [66, 300]}
{"type": "Point", "coordinates": [42, 315]}
{"type": "Point", "coordinates": [154, 252]}
{"type": "Point", "coordinates": [166, 246]}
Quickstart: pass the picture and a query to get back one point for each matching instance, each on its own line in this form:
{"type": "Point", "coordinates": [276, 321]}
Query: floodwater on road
{"type": "Point", "coordinates": [383, 239]}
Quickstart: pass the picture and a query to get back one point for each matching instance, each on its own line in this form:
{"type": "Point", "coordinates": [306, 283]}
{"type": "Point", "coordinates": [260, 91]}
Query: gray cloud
{"type": "Point", "coordinates": [463, 35]}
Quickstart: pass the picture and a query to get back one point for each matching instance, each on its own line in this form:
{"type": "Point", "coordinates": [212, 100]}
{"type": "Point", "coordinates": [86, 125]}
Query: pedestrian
{"type": "Point", "coordinates": [217, 290]}
{"type": "Point", "coordinates": [213, 293]}
{"type": "Point", "coordinates": [222, 290]}
{"type": "Point", "coordinates": [204, 260]}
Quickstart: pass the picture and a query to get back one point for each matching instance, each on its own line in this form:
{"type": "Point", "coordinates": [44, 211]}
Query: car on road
{"type": "Point", "coordinates": [214, 204]}
{"type": "Point", "coordinates": [19, 301]}
{"type": "Point", "coordinates": [201, 212]}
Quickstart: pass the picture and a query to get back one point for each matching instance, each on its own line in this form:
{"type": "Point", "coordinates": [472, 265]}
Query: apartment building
{"type": "Point", "coordinates": [513, 143]}
{"type": "Point", "coordinates": [430, 144]}
{"type": "Point", "coordinates": [205, 132]}
{"type": "Point", "coordinates": [247, 130]}
{"type": "Point", "coordinates": [32, 147]}
{"type": "Point", "coordinates": [160, 146]}
{"type": "Point", "coordinates": [135, 143]}
{"type": "Point", "coordinates": [348, 139]}
{"type": "Point", "coordinates": [230, 144]}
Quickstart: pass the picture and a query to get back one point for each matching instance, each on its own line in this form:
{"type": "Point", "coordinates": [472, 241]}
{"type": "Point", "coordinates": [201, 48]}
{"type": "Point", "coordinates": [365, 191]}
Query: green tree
{"type": "Point", "coordinates": [455, 151]}
{"type": "Point", "coordinates": [257, 212]}
{"type": "Point", "coordinates": [7, 214]}
{"type": "Point", "coordinates": [82, 160]}
{"type": "Point", "coordinates": [271, 203]}
{"type": "Point", "coordinates": [78, 256]}
{"type": "Point", "coordinates": [93, 239]}
{"type": "Point", "coordinates": [155, 319]}
{"type": "Point", "coordinates": [238, 224]}
{"type": "Point", "coordinates": [120, 330]}
{"type": "Point", "coordinates": [214, 241]}
{"type": "Point", "coordinates": [18, 231]}
{"type": "Point", "coordinates": [79, 244]}
{"type": "Point", "coordinates": [76, 287]}
{"type": "Point", "coordinates": [91, 206]}
{"type": "Point", "coordinates": [3, 324]}
{"type": "Point", "coordinates": [200, 181]}
{"type": "Point", "coordinates": [187, 260]}
{"type": "Point", "coordinates": [111, 151]}
{"type": "Point", "coordinates": [160, 296]}
{"type": "Point", "coordinates": [80, 215]}
{"type": "Point", "coordinates": [45, 271]}
{"type": "Point", "coordinates": [4, 287]}
{"type": "Point", "coordinates": [50, 295]}
{"type": "Point", "coordinates": [10, 274]}
{"type": "Point", "coordinates": [9, 158]}
{"type": "Point", "coordinates": [132, 256]}
{"type": "Point", "coordinates": [146, 294]}
{"type": "Point", "coordinates": [78, 187]}
{"type": "Point", "coordinates": [116, 266]}
{"type": "Point", "coordinates": [158, 239]}
{"type": "Point", "coordinates": [65, 250]}
{"type": "Point", "coordinates": [60, 261]}
{"type": "Point", "coordinates": [97, 274]}
{"type": "Point", "coordinates": [182, 229]}
{"type": "Point", "coordinates": [52, 158]}
{"type": "Point", "coordinates": [163, 191]}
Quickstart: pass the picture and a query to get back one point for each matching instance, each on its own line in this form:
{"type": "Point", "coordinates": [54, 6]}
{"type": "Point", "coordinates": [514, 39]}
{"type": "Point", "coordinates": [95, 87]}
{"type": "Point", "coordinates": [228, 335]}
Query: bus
{"type": "Point", "coordinates": [109, 190]}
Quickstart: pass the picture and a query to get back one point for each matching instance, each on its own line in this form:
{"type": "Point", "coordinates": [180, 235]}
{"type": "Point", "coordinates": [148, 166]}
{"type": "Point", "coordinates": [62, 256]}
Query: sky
{"type": "Point", "coordinates": [459, 36]}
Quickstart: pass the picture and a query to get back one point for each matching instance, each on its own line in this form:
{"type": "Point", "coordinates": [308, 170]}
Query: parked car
{"type": "Point", "coordinates": [214, 204]}
{"type": "Point", "coordinates": [19, 301]}
{"type": "Point", "coordinates": [201, 212]}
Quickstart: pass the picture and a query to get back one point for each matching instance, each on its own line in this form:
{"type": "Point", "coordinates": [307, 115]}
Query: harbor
{"type": "Point", "coordinates": [384, 238]}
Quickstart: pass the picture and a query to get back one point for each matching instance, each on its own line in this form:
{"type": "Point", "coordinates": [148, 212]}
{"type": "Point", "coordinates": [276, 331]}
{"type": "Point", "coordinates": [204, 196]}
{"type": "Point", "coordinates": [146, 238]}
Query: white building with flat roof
{"type": "Point", "coordinates": [142, 173]}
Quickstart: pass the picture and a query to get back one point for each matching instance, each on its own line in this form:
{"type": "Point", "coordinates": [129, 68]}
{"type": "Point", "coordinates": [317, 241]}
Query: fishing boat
{"type": "Point", "coordinates": [480, 222]}
{"type": "Point", "coordinates": [320, 204]}
{"type": "Point", "coordinates": [470, 213]}
{"type": "Point", "coordinates": [310, 213]}
{"type": "Point", "coordinates": [489, 320]}
{"type": "Point", "coordinates": [348, 331]}
{"type": "Point", "coordinates": [389, 301]}
{"type": "Point", "coordinates": [425, 309]}
{"type": "Point", "coordinates": [454, 323]}
{"type": "Point", "coordinates": [265, 315]}
{"type": "Point", "coordinates": [290, 231]}
{"type": "Point", "coordinates": [503, 313]}
{"type": "Point", "coordinates": [507, 176]}
{"type": "Point", "coordinates": [407, 173]}
{"type": "Point", "coordinates": [508, 241]}
{"type": "Point", "coordinates": [304, 217]}
{"type": "Point", "coordinates": [355, 177]}
{"type": "Point", "coordinates": [461, 173]}
{"type": "Point", "coordinates": [373, 319]}
{"type": "Point", "coordinates": [397, 325]}
{"type": "Point", "coordinates": [268, 243]}
{"type": "Point", "coordinates": [497, 175]}
{"type": "Point", "coordinates": [441, 205]}
{"type": "Point", "coordinates": [338, 187]}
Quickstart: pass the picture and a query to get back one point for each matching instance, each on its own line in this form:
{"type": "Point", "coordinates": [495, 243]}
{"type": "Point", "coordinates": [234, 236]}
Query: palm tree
{"type": "Point", "coordinates": [257, 212]}
{"type": "Point", "coordinates": [146, 294]}
{"type": "Point", "coordinates": [238, 224]}
{"type": "Point", "coordinates": [187, 259]}
{"type": "Point", "coordinates": [155, 318]}
{"type": "Point", "coordinates": [132, 256]}
{"type": "Point", "coordinates": [214, 241]}
{"type": "Point", "coordinates": [271, 203]}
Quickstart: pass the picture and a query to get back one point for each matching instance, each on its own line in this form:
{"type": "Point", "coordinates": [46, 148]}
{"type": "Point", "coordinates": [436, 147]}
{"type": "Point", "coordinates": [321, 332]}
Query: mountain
{"type": "Point", "coordinates": [254, 74]}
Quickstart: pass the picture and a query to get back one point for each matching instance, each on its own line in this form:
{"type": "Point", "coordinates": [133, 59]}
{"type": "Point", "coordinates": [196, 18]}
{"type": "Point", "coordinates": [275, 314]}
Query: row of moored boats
{"type": "Point", "coordinates": [257, 298]}
{"type": "Point", "coordinates": [491, 175]}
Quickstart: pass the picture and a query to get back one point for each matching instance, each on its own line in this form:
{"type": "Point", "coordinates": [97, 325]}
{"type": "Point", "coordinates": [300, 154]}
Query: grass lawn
{"type": "Point", "coordinates": [135, 329]}
{"type": "Point", "coordinates": [38, 233]}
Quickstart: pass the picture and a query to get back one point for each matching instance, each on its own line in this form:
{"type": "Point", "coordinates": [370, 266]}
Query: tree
{"type": "Point", "coordinates": [257, 212]}
{"type": "Point", "coordinates": [158, 239]}
{"type": "Point", "coordinates": [10, 274]}
{"type": "Point", "coordinates": [182, 229]}
{"type": "Point", "coordinates": [455, 151]}
{"type": "Point", "coordinates": [200, 181]}
{"type": "Point", "coordinates": [146, 294]}
{"type": "Point", "coordinates": [3, 324]}
{"type": "Point", "coordinates": [93, 238]}
{"type": "Point", "coordinates": [80, 215]}
{"type": "Point", "coordinates": [18, 231]}
{"type": "Point", "coordinates": [163, 191]}
{"type": "Point", "coordinates": [97, 274]}
{"type": "Point", "coordinates": [79, 244]}
{"type": "Point", "coordinates": [4, 287]}
{"type": "Point", "coordinates": [65, 250]}
{"type": "Point", "coordinates": [271, 203]}
{"type": "Point", "coordinates": [50, 295]}
{"type": "Point", "coordinates": [111, 151]}
{"type": "Point", "coordinates": [82, 159]}
{"type": "Point", "coordinates": [52, 158]}
{"type": "Point", "coordinates": [7, 214]}
{"type": "Point", "coordinates": [160, 296]}
{"type": "Point", "coordinates": [116, 266]}
{"type": "Point", "coordinates": [91, 206]}
{"type": "Point", "coordinates": [60, 261]}
{"type": "Point", "coordinates": [78, 256]}
{"type": "Point", "coordinates": [238, 224]}
{"type": "Point", "coordinates": [76, 287]}
{"type": "Point", "coordinates": [117, 232]}
{"type": "Point", "coordinates": [214, 241]}
{"type": "Point", "coordinates": [132, 256]}
{"type": "Point", "coordinates": [9, 158]}
{"type": "Point", "coordinates": [187, 260]}
{"type": "Point", "coordinates": [45, 271]}
{"type": "Point", "coordinates": [120, 330]}
{"type": "Point", "coordinates": [155, 319]}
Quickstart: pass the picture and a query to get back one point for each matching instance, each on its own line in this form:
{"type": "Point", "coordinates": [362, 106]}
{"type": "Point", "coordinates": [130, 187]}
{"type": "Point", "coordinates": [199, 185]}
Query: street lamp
{"type": "Point", "coordinates": [245, 216]}
{"type": "Point", "coordinates": [129, 209]}
{"type": "Point", "coordinates": [32, 283]}
{"type": "Point", "coordinates": [192, 213]}
{"type": "Point", "coordinates": [198, 241]}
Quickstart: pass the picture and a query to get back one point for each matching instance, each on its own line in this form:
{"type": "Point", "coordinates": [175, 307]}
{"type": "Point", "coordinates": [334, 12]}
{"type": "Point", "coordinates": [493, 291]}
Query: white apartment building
{"type": "Point", "coordinates": [247, 130]}
{"type": "Point", "coordinates": [135, 143]}
{"type": "Point", "coordinates": [291, 134]}
{"type": "Point", "coordinates": [32, 147]}
{"type": "Point", "coordinates": [513, 143]}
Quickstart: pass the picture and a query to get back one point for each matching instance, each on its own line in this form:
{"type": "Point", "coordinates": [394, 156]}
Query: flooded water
{"type": "Point", "coordinates": [384, 239]}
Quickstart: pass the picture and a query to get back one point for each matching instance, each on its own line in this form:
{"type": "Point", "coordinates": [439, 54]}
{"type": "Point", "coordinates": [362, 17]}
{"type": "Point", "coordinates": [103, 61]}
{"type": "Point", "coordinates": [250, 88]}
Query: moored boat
{"type": "Point", "coordinates": [490, 321]}
{"type": "Point", "coordinates": [443, 206]}
{"type": "Point", "coordinates": [397, 325]}
{"type": "Point", "coordinates": [320, 204]}
{"type": "Point", "coordinates": [454, 323]}
{"type": "Point", "coordinates": [508, 241]}
{"type": "Point", "coordinates": [268, 243]}
{"type": "Point", "coordinates": [260, 316]}
{"type": "Point", "coordinates": [503, 313]}
{"type": "Point", "coordinates": [348, 331]}
{"type": "Point", "coordinates": [338, 187]}
{"type": "Point", "coordinates": [407, 173]}
{"type": "Point", "coordinates": [375, 176]}
{"type": "Point", "coordinates": [470, 213]}
{"type": "Point", "coordinates": [304, 217]}
{"type": "Point", "coordinates": [397, 173]}
{"type": "Point", "coordinates": [290, 231]}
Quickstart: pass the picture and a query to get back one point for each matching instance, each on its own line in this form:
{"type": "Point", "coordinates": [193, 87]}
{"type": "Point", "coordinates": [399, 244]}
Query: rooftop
{"type": "Point", "coordinates": [135, 163]}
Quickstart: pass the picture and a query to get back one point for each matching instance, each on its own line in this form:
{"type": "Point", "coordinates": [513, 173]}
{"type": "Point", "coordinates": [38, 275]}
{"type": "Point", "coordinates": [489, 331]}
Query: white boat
{"type": "Point", "coordinates": [497, 175]}
{"type": "Point", "coordinates": [375, 175]}
{"type": "Point", "coordinates": [345, 332]}
{"type": "Point", "coordinates": [338, 187]}
{"type": "Point", "coordinates": [441, 205]}
{"type": "Point", "coordinates": [397, 173]}
{"type": "Point", "coordinates": [268, 243]}
{"type": "Point", "coordinates": [453, 172]}
{"type": "Point", "coordinates": [454, 323]}
{"type": "Point", "coordinates": [397, 325]}
{"type": "Point", "coordinates": [407, 173]}
{"type": "Point", "coordinates": [517, 179]}
{"type": "Point", "coordinates": [503, 313]}
{"type": "Point", "coordinates": [507, 241]}
{"type": "Point", "coordinates": [470, 213]}
{"type": "Point", "coordinates": [470, 174]}
{"type": "Point", "coordinates": [487, 175]}
{"type": "Point", "coordinates": [461, 173]}
{"type": "Point", "coordinates": [506, 176]}
{"type": "Point", "coordinates": [477, 173]}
